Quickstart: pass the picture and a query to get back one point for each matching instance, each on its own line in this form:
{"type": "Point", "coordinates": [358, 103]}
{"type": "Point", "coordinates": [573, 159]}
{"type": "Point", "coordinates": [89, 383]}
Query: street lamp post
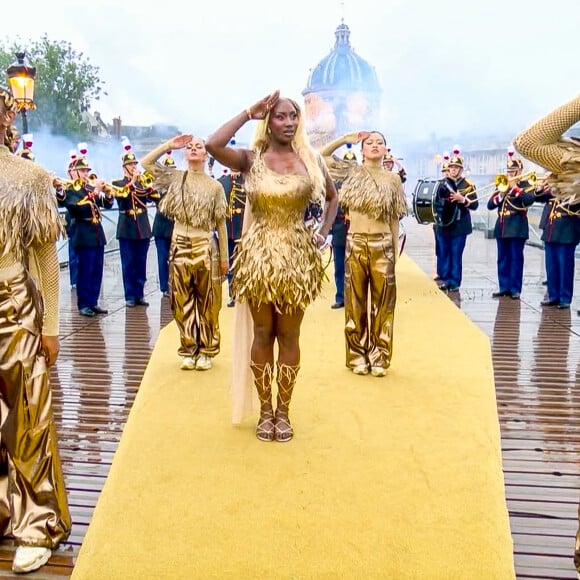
{"type": "Point", "coordinates": [21, 78]}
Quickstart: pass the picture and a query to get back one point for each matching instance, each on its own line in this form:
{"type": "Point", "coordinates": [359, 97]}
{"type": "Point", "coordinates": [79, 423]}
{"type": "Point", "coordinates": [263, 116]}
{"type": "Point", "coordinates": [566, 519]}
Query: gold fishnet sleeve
{"type": "Point", "coordinates": [44, 268]}
{"type": "Point", "coordinates": [541, 143]}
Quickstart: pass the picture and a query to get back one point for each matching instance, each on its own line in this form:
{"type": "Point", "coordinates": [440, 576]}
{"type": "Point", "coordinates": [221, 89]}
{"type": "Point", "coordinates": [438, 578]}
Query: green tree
{"type": "Point", "coordinates": [66, 84]}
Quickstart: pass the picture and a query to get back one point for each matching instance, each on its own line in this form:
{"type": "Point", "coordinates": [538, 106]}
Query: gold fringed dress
{"type": "Point", "coordinates": [276, 261]}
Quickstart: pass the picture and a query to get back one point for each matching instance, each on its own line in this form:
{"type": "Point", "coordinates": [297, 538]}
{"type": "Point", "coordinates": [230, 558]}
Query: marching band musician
{"type": "Point", "coordinates": [69, 225]}
{"type": "Point", "coordinates": [438, 261]}
{"type": "Point", "coordinates": [197, 205]}
{"type": "Point", "coordinates": [133, 227]}
{"type": "Point", "coordinates": [83, 200]}
{"type": "Point", "coordinates": [161, 232]}
{"type": "Point", "coordinates": [339, 232]}
{"type": "Point", "coordinates": [233, 185]}
{"type": "Point", "coordinates": [453, 234]}
{"type": "Point", "coordinates": [544, 144]}
{"type": "Point", "coordinates": [511, 229]}
{"type": "Point", "coordinates": [33, 503]}
{"type": "Point", "coordinates": [389, 162]}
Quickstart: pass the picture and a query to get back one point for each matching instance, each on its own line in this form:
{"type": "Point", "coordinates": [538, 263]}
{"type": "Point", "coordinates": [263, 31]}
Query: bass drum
{"type": "Point", "coordinates": [429, 201]}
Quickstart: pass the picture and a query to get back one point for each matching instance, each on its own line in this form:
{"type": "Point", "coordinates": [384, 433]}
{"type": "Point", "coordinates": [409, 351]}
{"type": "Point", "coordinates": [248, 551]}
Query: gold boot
{"type": "Point", "coordinates": [263, 375]}
{"type": "Point", "coordinates": [286, 379]}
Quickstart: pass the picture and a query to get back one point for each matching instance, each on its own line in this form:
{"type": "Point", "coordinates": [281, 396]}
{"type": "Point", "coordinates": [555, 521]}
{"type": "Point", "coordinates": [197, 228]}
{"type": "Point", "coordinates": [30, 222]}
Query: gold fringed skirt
{"type": "Point", "coordinates": [279, 266]}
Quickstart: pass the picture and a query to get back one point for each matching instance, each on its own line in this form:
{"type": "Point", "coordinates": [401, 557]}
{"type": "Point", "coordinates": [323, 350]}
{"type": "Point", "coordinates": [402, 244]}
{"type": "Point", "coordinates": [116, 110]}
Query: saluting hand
{"type": "Point", "coordinates": [354, 138]}
{"type": "Point", "coordinates": [181, 141]}
{"type": "Point", "coordinates": [260, 109]}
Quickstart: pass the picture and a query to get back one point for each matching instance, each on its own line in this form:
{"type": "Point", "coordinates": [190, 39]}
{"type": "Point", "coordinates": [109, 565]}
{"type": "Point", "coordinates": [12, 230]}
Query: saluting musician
{"type": "Point", "coordinates": [162, 231]}
{"type": "Point", "coordinates": [233, 184]}
{"type": "Point", "coordinates": [84, 201]}
{"type": "Point", "coordinates": [511, 230]}
{"type": "Point", "coordinates": [134, 228]}
{"type": "Point", "coordinates": [452, 234]}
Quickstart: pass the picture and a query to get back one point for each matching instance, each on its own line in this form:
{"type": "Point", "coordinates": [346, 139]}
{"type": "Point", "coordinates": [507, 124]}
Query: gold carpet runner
{"type": "Point", "coordinates": [397, 477]}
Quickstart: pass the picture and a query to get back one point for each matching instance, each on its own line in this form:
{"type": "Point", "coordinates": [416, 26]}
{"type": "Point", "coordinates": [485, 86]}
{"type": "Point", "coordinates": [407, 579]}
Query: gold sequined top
{"type": "Point", "coordinates": [29, 228]}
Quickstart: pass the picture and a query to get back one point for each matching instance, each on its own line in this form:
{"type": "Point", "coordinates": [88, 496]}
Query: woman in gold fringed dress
{"type": "Point", "coordinates": [278, 269]}
{"type": "Point", "coordinates": [374, 200]}
{"type": "Point", "coordinates": [544, 144]}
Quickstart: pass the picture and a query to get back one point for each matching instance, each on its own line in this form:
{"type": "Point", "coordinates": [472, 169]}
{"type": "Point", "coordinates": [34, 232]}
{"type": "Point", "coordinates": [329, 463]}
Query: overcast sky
{"type": "Point", "coordinates": [445, 66]}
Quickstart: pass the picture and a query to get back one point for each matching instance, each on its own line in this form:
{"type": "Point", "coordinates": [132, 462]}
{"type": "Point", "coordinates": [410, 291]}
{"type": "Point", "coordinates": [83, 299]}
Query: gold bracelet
{"type": "Point", "coordinates": [249, 113]}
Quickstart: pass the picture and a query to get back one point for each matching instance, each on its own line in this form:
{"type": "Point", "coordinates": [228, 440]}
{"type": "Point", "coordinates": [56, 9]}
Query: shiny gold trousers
{"type": "Point", "coordinates": [33, 503]}
{"type": "Point", "coordinates": [369, 272]}
{"type": "Point", "coordinates": [195, 294]}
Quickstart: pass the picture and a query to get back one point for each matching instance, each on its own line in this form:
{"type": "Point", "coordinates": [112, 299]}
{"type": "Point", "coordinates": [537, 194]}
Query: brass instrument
{"type": "Point", "coordinates": [502, 181]}
{"type": "Point", "coordinates": [111, 190]}
{"type": "Point", "coordinates": [146, 179]}
{"type": "Point", "coordinates": [59, 182]}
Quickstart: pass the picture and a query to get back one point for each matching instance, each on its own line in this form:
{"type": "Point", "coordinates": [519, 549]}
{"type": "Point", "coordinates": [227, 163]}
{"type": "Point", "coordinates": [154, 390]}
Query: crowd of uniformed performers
{"type": "Point", "coordinates": [249, 227]}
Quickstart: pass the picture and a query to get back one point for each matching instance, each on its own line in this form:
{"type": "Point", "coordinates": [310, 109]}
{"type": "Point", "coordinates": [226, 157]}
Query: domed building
{"type": "Point", "coordinates": [343, 93]}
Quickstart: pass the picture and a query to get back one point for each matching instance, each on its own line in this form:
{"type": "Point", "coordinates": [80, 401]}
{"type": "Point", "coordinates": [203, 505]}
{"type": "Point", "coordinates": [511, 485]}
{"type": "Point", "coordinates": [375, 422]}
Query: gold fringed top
{"type": "Point", "coordinates": [29, 228]}
{"type": "Point", "coordinates": [28, 210]}
{"type": "Point", "coordinates": [544, 144]}
{"type": "Point", "coordinates": [375, 193]}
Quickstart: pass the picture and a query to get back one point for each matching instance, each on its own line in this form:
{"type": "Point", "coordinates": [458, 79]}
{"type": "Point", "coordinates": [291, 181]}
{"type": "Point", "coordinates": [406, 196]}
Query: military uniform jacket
{"type": "Point", "coordinates": [85, 210]}
{"type": "Point", "coordinates": [562, 222]}
{"type": "Point", "coordinates": [133, 221]}
{"type": "Point", "coordinates": [162, 225]}
{"type": "Point", "coordinates": [461, 225]}
{"type": "Point", "coordinates": [236, 204]}
{"type": "Point", "coordinates": [512, 212]}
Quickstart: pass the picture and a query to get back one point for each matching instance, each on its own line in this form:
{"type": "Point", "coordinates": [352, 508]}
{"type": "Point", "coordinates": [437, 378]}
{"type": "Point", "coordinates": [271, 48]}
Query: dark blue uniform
{"type": "Point", "coordinates": [134, 235]}
{"type": "Point", "coordinates": [88, 240]}
{"type": "Point", "coordinates": [339, 231]}
{"type": "Point", "coordinates": [69, 226]}
{"type": "Point", "coordinates": [236, 200]}
{"type": "Point", "coordinates": [452, 234]}
{"type": "Point", "coordinates": [162, 231]}
{"type": "Point", "coordinates": [511, 232]}
{"type": "Point", "coordinates": [561, 234]}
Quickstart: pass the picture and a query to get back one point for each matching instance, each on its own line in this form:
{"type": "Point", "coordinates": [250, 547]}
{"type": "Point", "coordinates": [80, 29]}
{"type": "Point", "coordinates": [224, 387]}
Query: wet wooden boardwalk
{"type": "Point", "coordinates": [536, 355]}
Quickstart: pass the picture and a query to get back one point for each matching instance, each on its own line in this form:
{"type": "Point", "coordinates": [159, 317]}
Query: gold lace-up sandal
{"type": "Point", "coordinates": [286, 379]}
{"type": "Point", "coordinates": [263, 376]}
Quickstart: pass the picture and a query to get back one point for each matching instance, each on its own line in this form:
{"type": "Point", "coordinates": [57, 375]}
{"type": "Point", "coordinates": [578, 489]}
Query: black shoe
{"type": "Point", "coordinates": [500, 294]}
{"type": "Point", "coordinates": [514, 295]}
{"type": "Point", "coordinates": [563, 306]}
{"type": "Point", "coordinates": [544, 283]}
{"type": "Point", "coordinates": [86, 312]}
{"type": "Point", "coordinates": [130, 303]}
{"type": "Point", "coordinates": [443, 286]}
{"type": "Point", "coordinates": [549, 303]}
{"type": "Point", "coordinates": [437, 279]}
{"type": "Point", "coordinates": [231, 303]}
{"type": "Point", "coordinates": [141, 302]}
{"type": "Point", "coordinates": [99, 310]}
{"type": "Point", "coordinates": [338, 305]}
{"type": "Point", "coordinates": [166, 294]}
{"type": "Point", "coordinates": [452, 288]}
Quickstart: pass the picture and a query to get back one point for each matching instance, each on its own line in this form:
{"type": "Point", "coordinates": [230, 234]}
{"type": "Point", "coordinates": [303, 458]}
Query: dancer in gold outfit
{"type": "Point", "coordinates": [278, 268]}
{"type": "Point", "coordinates": [544, 144]}
{"type": "Point", "coordinates": [33, 504]}
{"type": "Point", "coordinates": [196, 204]}
{"type": "Point", "coordinates": [375, 201]}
